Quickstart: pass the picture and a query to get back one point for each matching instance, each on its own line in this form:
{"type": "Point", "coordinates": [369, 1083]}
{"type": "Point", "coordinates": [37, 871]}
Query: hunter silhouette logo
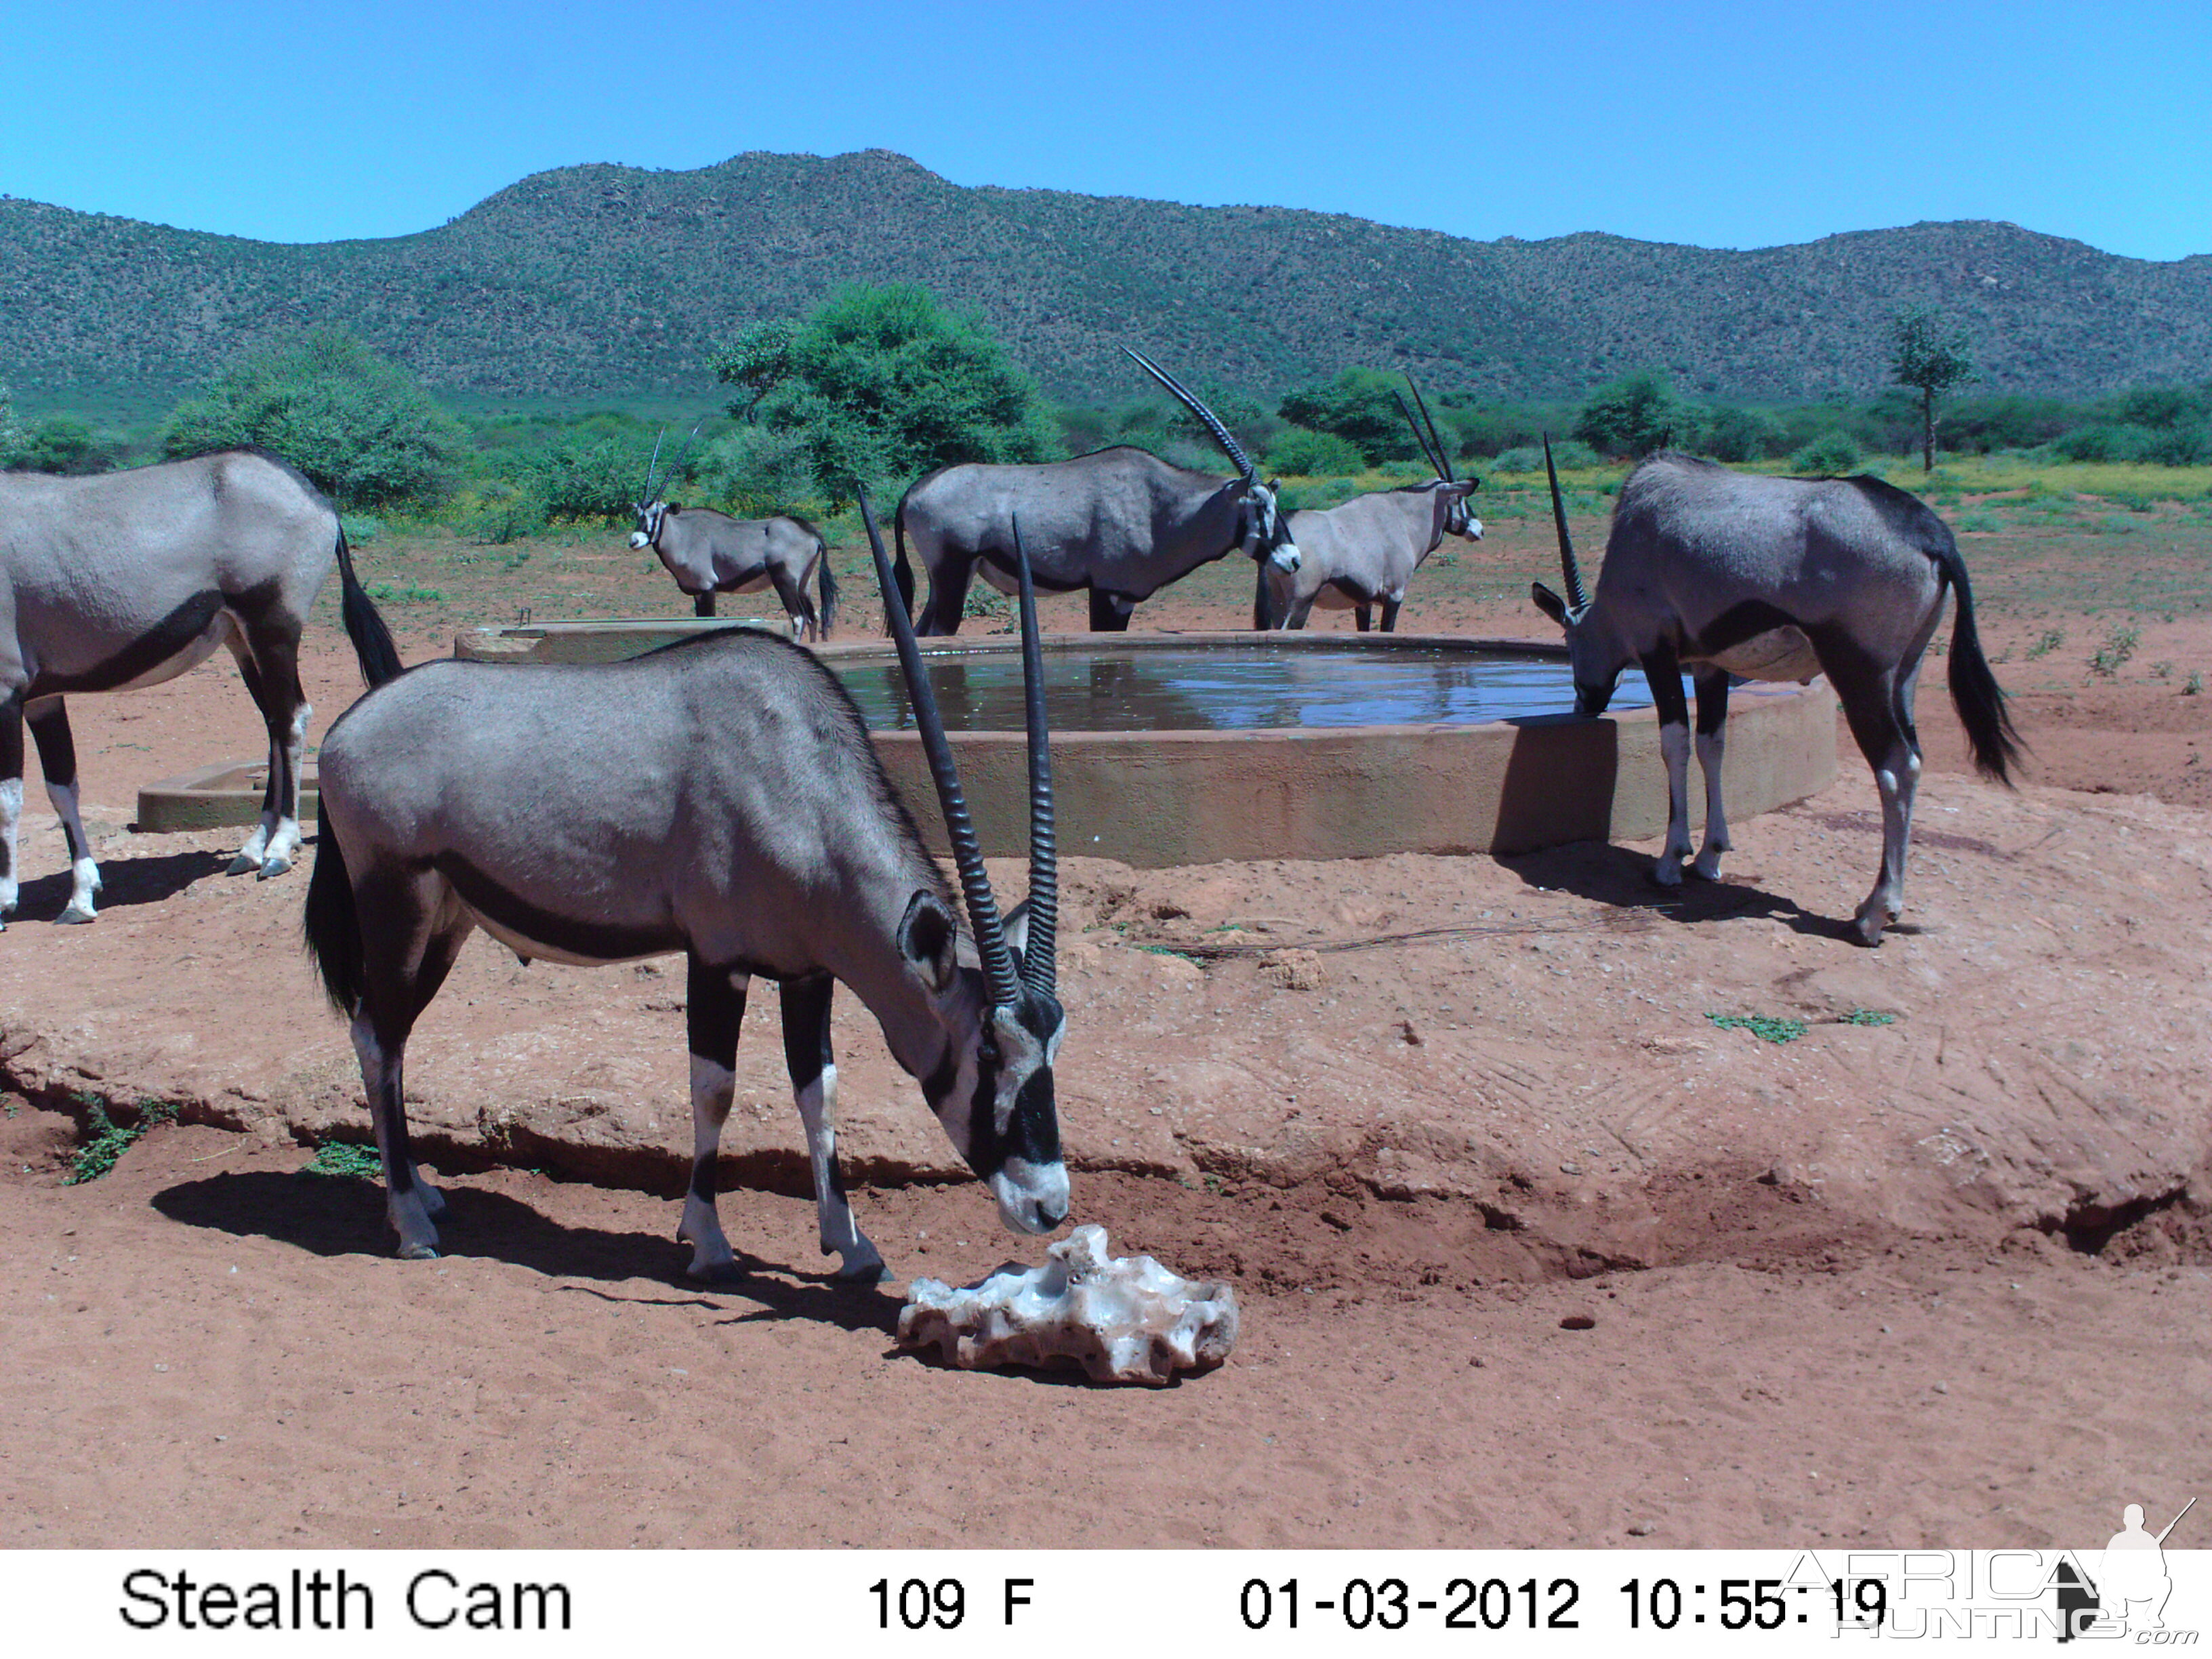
{"type": "Point", "coordinates": [2130, 1585]}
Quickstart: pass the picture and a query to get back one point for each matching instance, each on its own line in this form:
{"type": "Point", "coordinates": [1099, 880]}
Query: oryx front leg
{"type": "Point", "coordinates": [1712, 742]}
{"type": "Point", "coordinates": [1662, 673]}
{"type": "Point", "coordinates": [48, 722]}
{"type": "Point", "coordinates": [813, 1068]}
{"type": "Point", "coordinates": [715, 1013]}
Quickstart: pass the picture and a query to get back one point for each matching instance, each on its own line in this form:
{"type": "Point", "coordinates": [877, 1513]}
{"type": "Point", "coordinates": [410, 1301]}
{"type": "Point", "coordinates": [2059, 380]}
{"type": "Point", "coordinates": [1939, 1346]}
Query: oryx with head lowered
{"type": "Point", "coordinates": [1778, 579]}
{"type": "Point", "coordinates": [1365, 551]}
{"type": "Point", "coordinates": [1120, 522]}
{"type": "Point", "coordinates": [710, 553]}
{"type": "Point", "coordinates": [122, 579]}
{"type": "Point", "coordinates": [719, 798]}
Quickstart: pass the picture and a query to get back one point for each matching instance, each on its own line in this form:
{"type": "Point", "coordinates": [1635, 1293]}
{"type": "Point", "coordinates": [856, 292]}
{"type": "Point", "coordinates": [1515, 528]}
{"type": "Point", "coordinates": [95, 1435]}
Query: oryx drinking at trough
{"type": "Point", "coordinates": [1120, 522]}
{"type": "Point", "coordinates": [1778, 579]}
{"type": "Point", "coordinates": [122, 579]}
{"type": "Point", "coordinates": [1365, 551]}
{"type": "Point", "coordinates": [719, 798]}
{"type": "Point", "coordinates": [710, 553]}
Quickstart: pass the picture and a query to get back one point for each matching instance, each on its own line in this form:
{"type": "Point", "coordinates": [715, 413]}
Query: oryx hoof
{"type": "Point", "coordinates": [717, 1270]}
{"type": "Point", "coordinates": [245, 864]}
{"type": "Point", "coordinates": [272, 867]}
{"type": "Point", "coordinates": [75, 914]}
{"type": "Point", "coordinates": [1870, 920]}
{"type": "Point", "coordinates": [418, 1252]}
{"type": "Point", "coordinates": [863, 1273]}
{"type": "Point", "coordinates": [1666, 870]}
{"type": "Point", "coordinates": [1706, 868]}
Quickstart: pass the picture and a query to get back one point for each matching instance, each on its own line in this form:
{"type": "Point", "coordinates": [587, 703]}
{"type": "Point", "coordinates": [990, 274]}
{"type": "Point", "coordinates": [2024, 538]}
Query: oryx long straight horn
{"type": "Point", "coordinates": [1576, 598]}
{"type": "Point", "coordinates": [1039, 967]}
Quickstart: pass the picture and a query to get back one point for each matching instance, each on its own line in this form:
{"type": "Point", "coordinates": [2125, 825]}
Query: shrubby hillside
{"type": "Point", "coordinates": [613, 282]}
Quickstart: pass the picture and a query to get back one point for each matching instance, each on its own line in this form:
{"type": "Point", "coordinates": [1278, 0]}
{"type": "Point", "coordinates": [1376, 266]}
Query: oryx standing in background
{"type": "Point", "coordinates": [1366, 550]}
{"type": "Point", "coordinates": [1778, 579]}
{"type": "Point", "coordinates": [1120, 522]}
{"type": "Point", "coordinates": [710, 553]}
{"type": "Point", "coordinates": [719, 798]}
{"type": "Point", "coordinates": [127, 578]}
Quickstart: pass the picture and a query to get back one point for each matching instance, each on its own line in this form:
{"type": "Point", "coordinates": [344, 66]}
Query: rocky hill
{"type": "Point", "coordinates": [605, 282]}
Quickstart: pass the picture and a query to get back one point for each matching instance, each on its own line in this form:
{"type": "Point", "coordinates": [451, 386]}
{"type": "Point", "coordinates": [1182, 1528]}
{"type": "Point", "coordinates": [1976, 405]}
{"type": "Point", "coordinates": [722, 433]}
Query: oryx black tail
{"type": "Point", "coordinates": [828, 579]}
{"type": "Point", "coordinates": [1975, 692]}
{"type": "Point", "coordinates": [902, 572]}
{"type": "Point", "coordinates": [333, 925]}
{"type": "Point", "coordinates": [364, 626]}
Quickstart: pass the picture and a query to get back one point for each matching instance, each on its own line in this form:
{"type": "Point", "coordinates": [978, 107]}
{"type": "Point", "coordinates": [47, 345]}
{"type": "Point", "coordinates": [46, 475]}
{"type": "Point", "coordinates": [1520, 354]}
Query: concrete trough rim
{"type": "Point", "coordinates": [1175, 797]}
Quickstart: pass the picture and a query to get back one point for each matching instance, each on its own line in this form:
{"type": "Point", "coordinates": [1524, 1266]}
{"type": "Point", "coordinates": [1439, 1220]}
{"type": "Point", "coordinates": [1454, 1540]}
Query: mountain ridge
{"type": "Point", "coordinates": [601, 281]}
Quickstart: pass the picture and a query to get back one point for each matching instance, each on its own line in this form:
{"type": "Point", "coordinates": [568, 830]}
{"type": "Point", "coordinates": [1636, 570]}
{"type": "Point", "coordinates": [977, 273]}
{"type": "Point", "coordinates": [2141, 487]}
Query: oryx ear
{"type": "Point", "coordinates": [1017, 933]}
{"type": "Point", "coordinates": [1274, 486]}
{"type": "Point", "coordinates": [1549, 603]}
{"type": "Point", "coordinates": [929, 940]}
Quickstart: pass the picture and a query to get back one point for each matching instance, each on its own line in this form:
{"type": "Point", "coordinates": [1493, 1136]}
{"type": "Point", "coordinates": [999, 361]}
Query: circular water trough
{"type": "Point", "coordinates": [1192, 748]}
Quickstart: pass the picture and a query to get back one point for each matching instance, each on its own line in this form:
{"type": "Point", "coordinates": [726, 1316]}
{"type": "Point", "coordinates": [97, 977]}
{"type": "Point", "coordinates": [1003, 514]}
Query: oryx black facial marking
{"type": "Point", "coordinates": [1120, 522]}
{"type": "Point", "coordinates": [719, 798]}
{"type": "Point", "coordinates": [127, 578]}
{"type": "Point", "coordinates": [1737, 573]}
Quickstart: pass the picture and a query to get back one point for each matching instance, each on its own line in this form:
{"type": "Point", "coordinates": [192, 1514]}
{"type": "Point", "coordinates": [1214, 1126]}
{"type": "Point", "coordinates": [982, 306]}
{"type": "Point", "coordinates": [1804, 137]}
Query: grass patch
{"type": "Point", "coordinates": [2049, 640]}
{"type": "Point", "coordinates": [1768, 1028]}
{"type": "Point", "coordinates": [345, 1157]}
{"type": "Point", "coordinates": [1867, 1017]}
{"type": "Point", "coordinates": [109, 1140]}
{"type": "Point", "coordinates": [2113, 654]}
{"type": "Point", "coordinates": [393, 593]}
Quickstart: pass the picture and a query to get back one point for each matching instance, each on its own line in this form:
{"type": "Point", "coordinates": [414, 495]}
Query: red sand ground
{"type": "Point", "coordinates": [203, 1349]}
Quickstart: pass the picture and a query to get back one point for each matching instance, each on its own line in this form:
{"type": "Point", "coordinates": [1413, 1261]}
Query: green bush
{"type": "Point", "coordinates": [11, 430]}
{"type": "Point", "coordinates": [757, 473]}
{"type": "Point", "coordinates": [1740, 434]}
{"type": "Point", "coordinates": [356, 424]}
{"type": "Point", "coordinates": [503, 513]}
{"type": "Point", "coordinates": [1831, 455]}
{"type": "Point", "coordinates": [1566, 454]}
{"type": "Point", "coordinates": [588, 477]}
{"type": "Point", "coordinates": [1634, 414]}
{"type": "Point", "coordinates": [1310, 454]}
{"type": "Point", "coordinates": [64, 443]}
{"type": "Point", "coordinates": [883, 384]}
{"type": "Point", "coordinates": [1361, 406]}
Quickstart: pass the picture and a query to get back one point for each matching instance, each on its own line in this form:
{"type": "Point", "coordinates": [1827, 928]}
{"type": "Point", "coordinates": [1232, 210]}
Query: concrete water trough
{"type": "Point", "coordinates": [1175, 749]}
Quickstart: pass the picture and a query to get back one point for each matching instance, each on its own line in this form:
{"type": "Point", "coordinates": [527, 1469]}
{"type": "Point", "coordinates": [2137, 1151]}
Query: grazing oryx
{"type": "Point", "coordinates": [1120, 522]}
{"type": "Point", "coordinates": [719, 798]}
{"type": "Point", "coordinates": [1369, 548]}
{"type": "Point", "coordinates": [1778, 579]}
{"type": "Point", "coordinates": [128, 579]}
{"type": "Point", "coordinates": [710, 553]}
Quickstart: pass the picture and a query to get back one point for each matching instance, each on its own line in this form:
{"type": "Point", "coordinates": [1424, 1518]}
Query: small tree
{"type": "Point", "coordinates": [355, 422]}
{"type": "Point", "coordinates": [882, 384]}
{"type": "Point", "coordinates": [757, 362]}
{"type": "Point", "coordinates": [1634, 414]}
{"type": "Point", "coordinates": [1359, 405]}
{"type": "Point", "coordinates": [1930, 355]}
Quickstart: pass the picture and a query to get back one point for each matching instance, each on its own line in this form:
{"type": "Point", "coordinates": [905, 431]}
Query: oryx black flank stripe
{"type": "Point", "coordinates": [165, 641]}
{"type": "Point", "coordinates": [599, 941]}
{"type": "Point", "coordinates": [1745, 621]}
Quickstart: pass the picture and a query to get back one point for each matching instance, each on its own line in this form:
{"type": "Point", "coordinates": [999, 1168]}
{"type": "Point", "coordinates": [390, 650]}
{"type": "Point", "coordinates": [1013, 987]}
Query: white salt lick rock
{"type": "Point", "coordinates": [1123, 1320]}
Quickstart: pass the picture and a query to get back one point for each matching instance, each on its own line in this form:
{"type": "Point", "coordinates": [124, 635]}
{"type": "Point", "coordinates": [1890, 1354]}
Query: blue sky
{"type": "Point", "coordinates": [1726, 125]}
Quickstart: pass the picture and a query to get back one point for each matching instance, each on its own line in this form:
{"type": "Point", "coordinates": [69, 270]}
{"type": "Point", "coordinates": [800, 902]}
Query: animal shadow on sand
{"type": "Point", "coordinates": [123, 882]}
{"type": "Point", "coordinates": [1610, 876]}
{"type": "Point", "coordinates": [334, 1215]}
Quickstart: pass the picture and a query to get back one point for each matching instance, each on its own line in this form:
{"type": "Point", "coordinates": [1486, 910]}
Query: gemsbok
{"type": "Point", "coordinates": [1778, 579]}
{"type": "Point", "coordinates": [718, 798]}
{"type": "Point", "coordinates": [122, 579]}
{"type": "Point", "coordinates": [1120, 522]}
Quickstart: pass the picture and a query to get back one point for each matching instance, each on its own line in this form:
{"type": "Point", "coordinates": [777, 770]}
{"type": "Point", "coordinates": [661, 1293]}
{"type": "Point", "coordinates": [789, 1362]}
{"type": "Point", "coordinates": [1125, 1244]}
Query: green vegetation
{"type": "Point", "coordinates": [106, 1141]}
{"type": "Point", "coordinates": [1360, 406]}
{"type": "Point", "coordinates": [356, 424]}
{"type": "Point", "coordinates": [881, 385]}
{"type": "Point", "coordinates": [1768, 1028]}
{"type": "Point", "coordinates": [1635, 415]}
{"type": "Point", "coordinates": [2112, 655]}
{"type": "Point", "coordinates": [345, 1159]}
{"type": "Point", "coordinates": [1867, 1017]}
{"type": "Point", "coordinates": [1931, 356]}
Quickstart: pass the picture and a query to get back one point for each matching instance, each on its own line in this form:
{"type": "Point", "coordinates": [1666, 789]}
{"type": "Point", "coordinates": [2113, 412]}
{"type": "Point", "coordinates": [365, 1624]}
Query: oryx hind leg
{"type": "Point", "coordinates": [1662, 672]}
{"type": "Point", "coordinates": [1877, 705]}
{"type": "Point", "coordinates": [804, 624]}
{"type": "Point", "coordinates": [412, 928]}
{"type": "Point", "coordinates": [48, 722]}
{"type": "Point", "coordinates": [713, 1014]}
{"type": "Point", "coordinates": [813, 1068]}
{"type": "Point", "coordinates": [1712, 742]}
{"type": "Point", "coordinates": [269, 663]}
{"type": "Point", "coordinates": [12, 797]}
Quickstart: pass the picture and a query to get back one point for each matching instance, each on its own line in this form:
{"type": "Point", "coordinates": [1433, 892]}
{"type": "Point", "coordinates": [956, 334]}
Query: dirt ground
{"type": "Point", "coordinates": [1531, 1252]}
